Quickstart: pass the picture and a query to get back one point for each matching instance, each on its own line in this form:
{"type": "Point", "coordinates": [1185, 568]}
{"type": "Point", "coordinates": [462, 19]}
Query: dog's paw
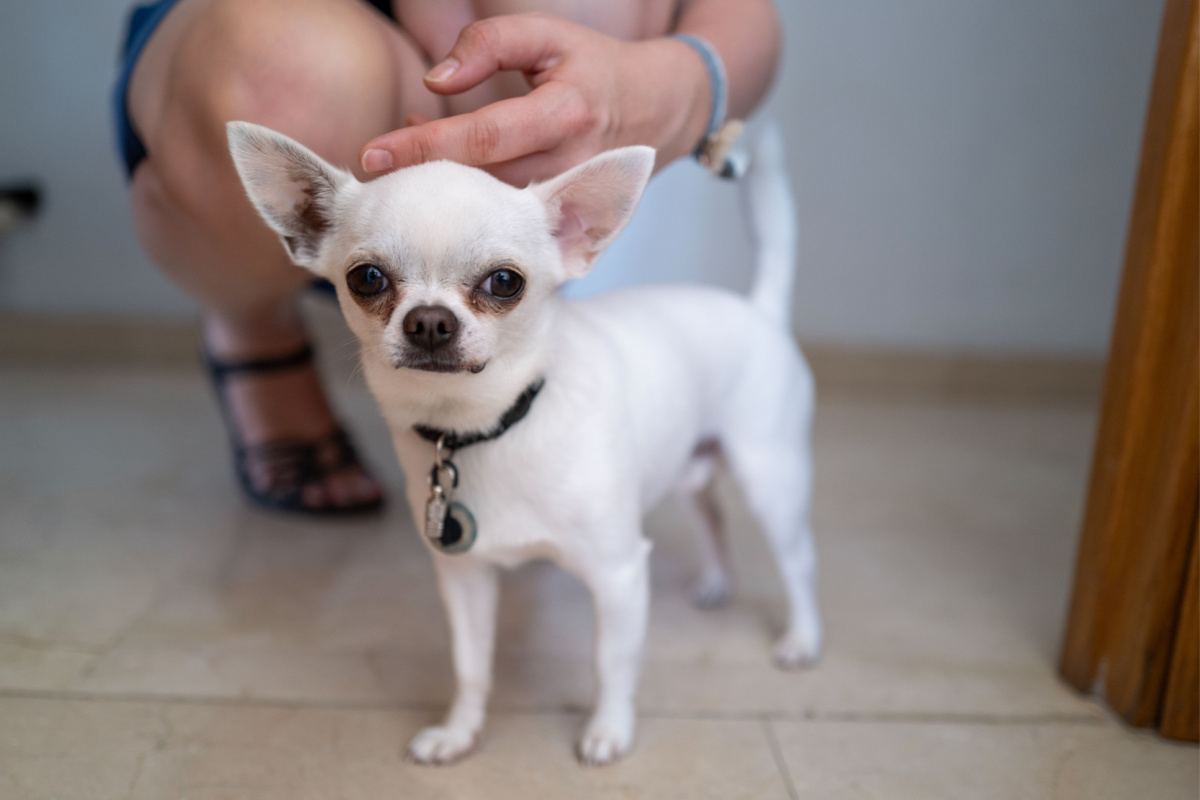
{"type": "Point", "coordinates": [711, 590]}
{"type": "Point", "coordinates": [441, 745]}
{"type": "Point", "coordinates": [604, 743]}
{"type": "Point", "coordinates": [794, 651]}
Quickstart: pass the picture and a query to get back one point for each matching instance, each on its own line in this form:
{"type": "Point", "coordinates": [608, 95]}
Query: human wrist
{"type": "Point", "coordinates": [676, 106]}
{"type": "Point", "coordinates": [718, 83]}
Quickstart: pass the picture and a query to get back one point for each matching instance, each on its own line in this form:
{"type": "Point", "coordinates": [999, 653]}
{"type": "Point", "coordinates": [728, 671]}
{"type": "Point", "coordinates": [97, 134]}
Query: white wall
{"type": "Point", "coordinates": [57, 64]}
{"type": "Point", "coordinates": [963, 170]}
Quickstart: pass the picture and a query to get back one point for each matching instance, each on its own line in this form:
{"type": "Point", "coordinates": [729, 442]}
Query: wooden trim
{"type": "Point", "coordinates": [1181, 712]}
{"type": "Point", "coordinates": [74, 340]}
{"type": "Point", "coordinates": [957, 376]}
{"type": "Point", "coordinates": [1139, 521]}
{"type": "Point", "coordinates": [57, 340]}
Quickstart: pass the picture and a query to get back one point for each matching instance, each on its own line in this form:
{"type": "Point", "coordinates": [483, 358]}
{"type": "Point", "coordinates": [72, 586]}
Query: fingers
{"type": "Point", "coordinates": [538, 166]}
{"type": "Point", "coordinates": [500, 132]}
{"type": "Point", "coordinates": [525, 42]}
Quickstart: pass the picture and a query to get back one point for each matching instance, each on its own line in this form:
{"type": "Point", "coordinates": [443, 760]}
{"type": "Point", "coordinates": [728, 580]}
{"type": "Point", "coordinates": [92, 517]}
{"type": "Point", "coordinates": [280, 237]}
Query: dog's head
{"type": "Point", "coordinates": [438, 267]}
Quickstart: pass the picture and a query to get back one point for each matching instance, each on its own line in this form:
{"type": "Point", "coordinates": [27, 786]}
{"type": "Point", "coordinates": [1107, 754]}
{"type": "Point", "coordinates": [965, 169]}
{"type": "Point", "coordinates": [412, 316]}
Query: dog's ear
{"type": "Point", "coordinates": [292, 188]}
{"type": "Point", "coordinates": [590, 204]}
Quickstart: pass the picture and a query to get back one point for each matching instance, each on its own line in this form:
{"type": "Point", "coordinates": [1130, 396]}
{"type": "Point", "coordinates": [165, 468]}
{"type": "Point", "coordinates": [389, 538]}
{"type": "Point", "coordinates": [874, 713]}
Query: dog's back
{"type": "Point", "coordinates": [699, 364]}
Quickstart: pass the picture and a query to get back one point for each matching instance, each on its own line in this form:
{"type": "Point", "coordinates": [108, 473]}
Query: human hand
{"type": "Point", "coordinates": [591, 92]}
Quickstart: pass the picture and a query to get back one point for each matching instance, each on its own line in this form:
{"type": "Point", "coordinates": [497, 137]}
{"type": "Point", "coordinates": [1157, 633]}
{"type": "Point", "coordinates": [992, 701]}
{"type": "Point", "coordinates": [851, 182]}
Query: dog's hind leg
{"type": "Point", "coordinates": [712, 586]}
{"type": "Point", "coordinates": [776, 481]}
{"type": "Point", "coordinates": [699, 501]}
{"type": "Point", "coordinates": [778, 491]}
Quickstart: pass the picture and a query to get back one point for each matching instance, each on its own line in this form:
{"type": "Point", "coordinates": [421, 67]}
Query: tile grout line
{"type": "Point", "coordinates": [777, 754]}
{"type": "Point", "coordinates": [927, 718]}
{"type": "Point", "coordinates": [137, 776]}
{"type": "Point", "coordinates": [115, 640]}
{"type": "Point", "coordinates": [39, 645]}
{"type": "Point", "coordinates": [915, 718]}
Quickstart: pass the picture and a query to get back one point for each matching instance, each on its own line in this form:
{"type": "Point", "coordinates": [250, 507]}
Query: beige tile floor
{"type": "Point", "coordinates": [159, 639]}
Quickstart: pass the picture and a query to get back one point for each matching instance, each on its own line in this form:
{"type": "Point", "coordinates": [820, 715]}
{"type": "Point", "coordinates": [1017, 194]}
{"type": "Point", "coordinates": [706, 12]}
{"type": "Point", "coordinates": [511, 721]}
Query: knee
{"type": "Point", "coordinates": [314, 71]}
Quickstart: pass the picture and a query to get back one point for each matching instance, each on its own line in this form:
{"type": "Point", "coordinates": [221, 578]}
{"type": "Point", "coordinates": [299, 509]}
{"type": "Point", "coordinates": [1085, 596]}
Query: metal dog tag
{"type": "Point", "coordinates": [443, 479]}
{"type": "Point", "coordinates": [449, 526]}
{"type": "Point", "coordinates": [435, 515]}
{"type": "Point", "coordinates": [458, 530]}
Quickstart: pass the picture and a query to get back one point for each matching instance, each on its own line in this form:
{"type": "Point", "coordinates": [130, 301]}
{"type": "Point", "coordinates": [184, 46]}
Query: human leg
{"type": "Point", "coordinates": [330, 73]}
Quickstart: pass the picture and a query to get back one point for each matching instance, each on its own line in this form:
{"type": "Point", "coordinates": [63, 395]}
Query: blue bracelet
{"type": "Point", "coordinates": [717, 80]}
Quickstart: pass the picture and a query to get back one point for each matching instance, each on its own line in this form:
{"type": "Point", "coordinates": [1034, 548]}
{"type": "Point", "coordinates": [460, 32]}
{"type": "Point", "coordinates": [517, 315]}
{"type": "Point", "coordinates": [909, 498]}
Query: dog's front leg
{"type": "Point", "coordinates": [469, 592]}
{"type": "Point", "coordinates": [621, 596]}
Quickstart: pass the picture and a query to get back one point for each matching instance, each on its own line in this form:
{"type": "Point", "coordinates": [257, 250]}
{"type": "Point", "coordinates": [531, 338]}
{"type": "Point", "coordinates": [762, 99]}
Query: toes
{"type": "Point", "coordinates": [314, 495]}
{"type": "Point", "coordinates": [795, 651]}
{"type": "Point", "coordinates": [603, 744]}
{"type": "Point", "coordinates": [340, 490]}
{"type": "Point", "coordinates": [597, 751]}
{"type": "Point", "coordinates": [351, 488]}
{"type": "Point", "coordinates": [440, 745]}
{"type": "Point", "coordinates": [365, 489]}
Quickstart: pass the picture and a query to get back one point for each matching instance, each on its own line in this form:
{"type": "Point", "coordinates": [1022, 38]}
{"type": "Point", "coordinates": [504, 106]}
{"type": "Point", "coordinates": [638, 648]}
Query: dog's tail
{"type": "Point", "coordinates": [770, 209]}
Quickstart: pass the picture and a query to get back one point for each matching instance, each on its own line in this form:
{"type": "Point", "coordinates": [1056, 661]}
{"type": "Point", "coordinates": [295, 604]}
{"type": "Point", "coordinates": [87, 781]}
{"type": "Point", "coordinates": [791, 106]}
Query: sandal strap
{"type": "Point", "coordinates": [287, 466]}
{"type": "Point", "coordinates": [291, 463]}
{"type": "Point", "coordinates": [220, 372]}
{"type": "Point", "coordinates": [326, 453]}
{"type": "Point", "coordinates": [337, 451]}
{"type": "Point", "coordinates": [222, 369]}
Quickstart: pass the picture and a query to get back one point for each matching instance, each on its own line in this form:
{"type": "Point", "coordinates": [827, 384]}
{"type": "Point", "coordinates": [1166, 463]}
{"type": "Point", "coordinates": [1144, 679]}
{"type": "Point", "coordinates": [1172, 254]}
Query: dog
{"type": "Point", "coordinates": [533, 427]}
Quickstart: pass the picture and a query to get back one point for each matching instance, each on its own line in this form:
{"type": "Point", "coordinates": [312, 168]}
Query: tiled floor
{"type": "Point", "coordinates": [158, 639]}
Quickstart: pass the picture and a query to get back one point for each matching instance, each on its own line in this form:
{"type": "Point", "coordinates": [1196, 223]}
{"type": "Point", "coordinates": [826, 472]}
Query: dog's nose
{"type": "Point", "coordinates": [430, 327]}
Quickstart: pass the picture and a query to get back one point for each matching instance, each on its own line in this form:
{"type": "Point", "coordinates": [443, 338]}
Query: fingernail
{"type": "Point", "coordinates": [443, 70]}
{"type": "Point", "coordinates": [377, 161]}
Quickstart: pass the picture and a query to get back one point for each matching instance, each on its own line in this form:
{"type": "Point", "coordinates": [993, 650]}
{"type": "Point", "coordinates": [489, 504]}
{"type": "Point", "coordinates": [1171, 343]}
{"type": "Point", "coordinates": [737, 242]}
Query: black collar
{"type": "Point", "coordinates": [515, 413]}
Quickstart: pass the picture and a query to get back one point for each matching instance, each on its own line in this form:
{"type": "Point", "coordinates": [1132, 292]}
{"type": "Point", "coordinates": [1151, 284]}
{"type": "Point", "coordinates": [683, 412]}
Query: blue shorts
{"type": "Point", "coordinates": [143, 21]}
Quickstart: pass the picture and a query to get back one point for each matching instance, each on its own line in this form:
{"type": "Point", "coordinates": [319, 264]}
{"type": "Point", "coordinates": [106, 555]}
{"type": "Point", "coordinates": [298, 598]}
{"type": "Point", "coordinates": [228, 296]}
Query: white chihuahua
{"type": "Point", "coordinates": [530, 427]}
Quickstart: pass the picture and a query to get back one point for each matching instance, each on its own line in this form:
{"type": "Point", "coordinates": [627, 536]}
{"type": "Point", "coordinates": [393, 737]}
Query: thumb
{"type": "Point", "coordinates": [526, 42]}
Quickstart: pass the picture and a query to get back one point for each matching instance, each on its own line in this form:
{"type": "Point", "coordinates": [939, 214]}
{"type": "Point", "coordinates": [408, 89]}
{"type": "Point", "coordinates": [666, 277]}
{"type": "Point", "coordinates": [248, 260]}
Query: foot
{"type": "Point", "coordinates": [607, 738]}
{"type": "Point", "coordinates": [284, 405]}
{"type": "Point", "coordinates": [441, 744]}
{"type": "Point", "coordinates": [797, 650]}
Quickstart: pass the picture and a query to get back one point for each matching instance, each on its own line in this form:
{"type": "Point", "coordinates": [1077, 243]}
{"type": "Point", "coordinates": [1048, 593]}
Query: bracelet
{"type": "Point", "coordinates": [717, 81]}
{"type": "Point", "coordinates": [718, 150]}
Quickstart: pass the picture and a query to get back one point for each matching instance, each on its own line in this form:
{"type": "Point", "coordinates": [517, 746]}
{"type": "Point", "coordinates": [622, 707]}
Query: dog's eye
{"type": "Point", "coordinates": [366, 280]}
{"type": "Point", "coordinates": [503, 283]}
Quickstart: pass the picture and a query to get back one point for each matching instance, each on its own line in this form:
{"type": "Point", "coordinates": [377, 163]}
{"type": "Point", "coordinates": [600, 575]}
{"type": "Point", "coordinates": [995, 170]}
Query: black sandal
{"type": "Point", "coordinates": [290, 463]}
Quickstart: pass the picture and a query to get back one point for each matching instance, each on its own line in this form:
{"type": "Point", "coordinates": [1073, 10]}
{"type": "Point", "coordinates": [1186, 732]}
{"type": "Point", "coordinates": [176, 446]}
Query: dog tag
{"type": "Point", "coordinates": [435, 515]}
{"type": "Point", "coordinates": [449, 525]}
{"type": "Point", "coordinates": [443, 480]}
{"type": "Point", "coordinates": [458, 530]}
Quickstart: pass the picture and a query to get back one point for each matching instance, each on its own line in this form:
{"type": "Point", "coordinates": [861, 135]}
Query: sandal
{"type": "Point", "coordinates": [289, 464]}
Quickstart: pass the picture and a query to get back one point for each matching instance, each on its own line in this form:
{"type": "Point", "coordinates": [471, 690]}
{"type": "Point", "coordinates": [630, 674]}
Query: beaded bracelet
{"type": "Point", "coordinates": [716, 150]}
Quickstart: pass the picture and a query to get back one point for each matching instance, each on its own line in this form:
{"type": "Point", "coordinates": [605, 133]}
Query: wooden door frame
{"type": "Point", "coordinates": [1132, 633]}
